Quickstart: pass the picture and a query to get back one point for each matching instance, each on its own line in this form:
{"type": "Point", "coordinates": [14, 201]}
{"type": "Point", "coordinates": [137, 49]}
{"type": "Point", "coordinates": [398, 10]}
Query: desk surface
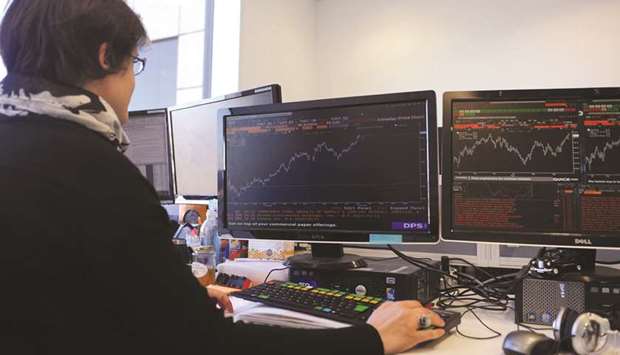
{"type": "Point", "coordinates": [502, 322]}
{"type": "Point", "coordinates": [454, 343]}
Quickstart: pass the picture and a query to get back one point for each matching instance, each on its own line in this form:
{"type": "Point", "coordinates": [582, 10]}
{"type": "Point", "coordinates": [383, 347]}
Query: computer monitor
{"type": "Point", "coordinates": [149, 149]}
{"type": "Point", "coordinates": [538, 167]}
{"type": "Point", "coordinates": [349, 170]}
{"type": "Point", "coordinates": [196, 143]}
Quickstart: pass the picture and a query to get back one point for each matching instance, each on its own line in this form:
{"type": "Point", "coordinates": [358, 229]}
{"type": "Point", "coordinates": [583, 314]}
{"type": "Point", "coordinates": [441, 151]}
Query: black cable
{"type": "Point", "coordinates": [370, 247]}
{"type": "Point", "coordinates": [381, 259]}
{"type": "Point", "coordinates": [378, 247]}
{"type": "Point", "coordinates": [617, 262]}
{"type": "Point", "coordinates": [512, 284]}
{"type": "Point", "coordinates": [498, 298]}
{"type": "Point", "coordinates": [419, 263]}
{"type": "Point", "coordinates": [495, 332]}
{"type": "Point", "coordinates": [495, 279]}
{"type": "Point", "coordinates": [532, 329]}
{"type": "Point", "coordinates": [492, 294]}
{"type": "Point", "coordinates": [272, 270]}
{"type": "Point", "coordinates": [477, 268]}
{"type": "Point", "coordinates": [474, 304]}
{"type": "Point", "coordinates": [466, 299]}
{"type": "Point", "coordinates": [464, 294]}
{"type": "Point", "coordinates": [429, 267]}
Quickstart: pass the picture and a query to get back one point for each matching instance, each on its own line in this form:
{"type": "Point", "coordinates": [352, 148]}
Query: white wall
{"type": "Point", "coordinates": [376, 46]}
{"type": "Point", "coordinates": [278, 45]}
{"type": "Point", "coordinates": [332, 48]}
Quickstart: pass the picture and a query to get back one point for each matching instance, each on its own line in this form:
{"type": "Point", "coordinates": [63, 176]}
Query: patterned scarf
{"type": "Point", "coordinates": [21, 96]}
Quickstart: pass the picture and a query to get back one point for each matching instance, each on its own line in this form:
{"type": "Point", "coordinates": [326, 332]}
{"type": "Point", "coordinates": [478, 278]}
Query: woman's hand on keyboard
{"type": "Point", "coordinates": [398, 324]}
{"type": "Point", "coordinates": [221, 297]}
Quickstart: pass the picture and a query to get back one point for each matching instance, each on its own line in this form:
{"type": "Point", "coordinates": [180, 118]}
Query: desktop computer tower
{"type": "Point", "coordinates": [538, 300]}
{"type": "Point", "coordinates": [391, 279]}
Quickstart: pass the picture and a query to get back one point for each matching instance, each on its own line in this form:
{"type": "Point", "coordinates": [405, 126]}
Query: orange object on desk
{"type": "Point", "coordinates": [204, 274]}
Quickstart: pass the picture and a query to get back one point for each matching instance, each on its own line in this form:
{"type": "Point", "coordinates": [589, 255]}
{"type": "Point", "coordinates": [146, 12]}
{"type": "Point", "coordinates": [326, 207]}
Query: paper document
{"type": "Point", "coordinates": [258, 313]}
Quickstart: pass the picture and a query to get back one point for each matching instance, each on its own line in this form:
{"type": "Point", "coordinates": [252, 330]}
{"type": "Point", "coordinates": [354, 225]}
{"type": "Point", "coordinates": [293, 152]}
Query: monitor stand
{"type": "Point", "coordinates": [326, 257]}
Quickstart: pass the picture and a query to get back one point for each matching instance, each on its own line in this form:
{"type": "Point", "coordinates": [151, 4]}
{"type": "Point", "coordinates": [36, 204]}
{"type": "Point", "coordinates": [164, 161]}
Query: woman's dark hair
{"type": "Point", "coordinates": [59, 40]}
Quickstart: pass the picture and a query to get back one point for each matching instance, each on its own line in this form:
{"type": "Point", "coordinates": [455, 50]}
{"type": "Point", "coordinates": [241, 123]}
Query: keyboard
{"type": "Point", "coordinates": [327, 303]}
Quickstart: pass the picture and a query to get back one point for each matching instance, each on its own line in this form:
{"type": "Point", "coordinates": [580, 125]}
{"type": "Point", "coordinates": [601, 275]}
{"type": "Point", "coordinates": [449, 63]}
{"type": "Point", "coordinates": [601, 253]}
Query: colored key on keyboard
{"type": "Point", "coordinates": [333, 304]}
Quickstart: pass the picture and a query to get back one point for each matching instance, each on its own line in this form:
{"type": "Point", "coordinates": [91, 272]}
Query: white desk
{"type": "Point", "coordinates": [454, 343]}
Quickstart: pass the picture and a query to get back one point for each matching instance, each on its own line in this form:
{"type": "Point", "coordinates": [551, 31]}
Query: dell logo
{"type": "Point", "coordinates": [317, 237]}
{"type": "Point", "coordinates": [562, 290]}
{"type": "Point", "coordinates": [583, 241]}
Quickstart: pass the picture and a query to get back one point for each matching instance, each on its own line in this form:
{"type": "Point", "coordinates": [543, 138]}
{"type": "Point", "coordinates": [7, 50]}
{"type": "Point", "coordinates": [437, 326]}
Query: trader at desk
{"type": "Point", "coordinates": [87, 265]}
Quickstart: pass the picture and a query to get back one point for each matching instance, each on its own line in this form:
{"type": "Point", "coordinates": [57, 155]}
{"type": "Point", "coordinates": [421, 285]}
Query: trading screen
{"type": "Point", "coordinates": [536, 166]}
{"type": "Point", "coordinates": [149, 150]}
{"type": "Point", "coordinates": [361, 168]}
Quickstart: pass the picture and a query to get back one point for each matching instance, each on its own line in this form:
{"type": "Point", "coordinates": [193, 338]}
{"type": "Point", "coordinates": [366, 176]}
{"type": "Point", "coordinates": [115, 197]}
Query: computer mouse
{"type": "Point", "coordinates": [523, 342]}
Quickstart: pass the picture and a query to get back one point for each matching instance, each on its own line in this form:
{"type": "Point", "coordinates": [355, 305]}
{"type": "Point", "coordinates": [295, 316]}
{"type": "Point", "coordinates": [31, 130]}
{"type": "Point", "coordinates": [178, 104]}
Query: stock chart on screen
{"type": "Point", "coordinates": [540, 166]}
{"type": "Point", "coordinates": [346, 168]}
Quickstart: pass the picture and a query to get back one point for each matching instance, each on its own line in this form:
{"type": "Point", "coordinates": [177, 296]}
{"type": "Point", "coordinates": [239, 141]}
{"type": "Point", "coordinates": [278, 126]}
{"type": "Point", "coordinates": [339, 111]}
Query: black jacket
{"type": "Point", "coordinates": [87, 265]}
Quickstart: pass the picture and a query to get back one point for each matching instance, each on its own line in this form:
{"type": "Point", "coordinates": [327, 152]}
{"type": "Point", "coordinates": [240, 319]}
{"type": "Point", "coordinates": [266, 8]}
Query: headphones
{"type": "Point", "coordinates": [581, 333]}
{"type": "Point", "coordinates": [573, 333]}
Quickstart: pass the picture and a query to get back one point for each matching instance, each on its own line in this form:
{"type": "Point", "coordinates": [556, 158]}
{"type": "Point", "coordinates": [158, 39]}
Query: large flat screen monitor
{"type": "Point", "coordinates": [196, 142]}
{"type": "Point", "coordinates": [149, 149]}
{"type": "Point", "coordinates": [538, 167]}
{"type": "Point", "coordinates": [348, 170]}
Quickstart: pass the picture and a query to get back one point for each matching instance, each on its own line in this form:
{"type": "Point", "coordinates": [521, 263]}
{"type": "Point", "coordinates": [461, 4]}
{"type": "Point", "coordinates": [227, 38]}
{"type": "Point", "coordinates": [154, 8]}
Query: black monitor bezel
{"type": "Point", "coordinates": [514, 238]}
{"type": "Point", "coordinates": [276, 97]}
{"type": "Point", "coordinates": [330, 236]}
{"type": "Point", "coordinates": [169, 199]}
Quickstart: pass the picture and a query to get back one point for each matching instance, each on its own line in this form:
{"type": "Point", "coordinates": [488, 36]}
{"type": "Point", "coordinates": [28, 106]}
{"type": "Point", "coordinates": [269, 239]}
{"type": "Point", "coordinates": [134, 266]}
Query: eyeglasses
{"type": "Point", "coordinates": [138, 64]}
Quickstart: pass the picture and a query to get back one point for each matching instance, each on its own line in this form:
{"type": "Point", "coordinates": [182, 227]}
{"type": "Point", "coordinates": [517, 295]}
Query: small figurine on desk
{"type": "Point", "coordinates": [194, 214]}
{"type": "Point", "coordinates": [192, 217]}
